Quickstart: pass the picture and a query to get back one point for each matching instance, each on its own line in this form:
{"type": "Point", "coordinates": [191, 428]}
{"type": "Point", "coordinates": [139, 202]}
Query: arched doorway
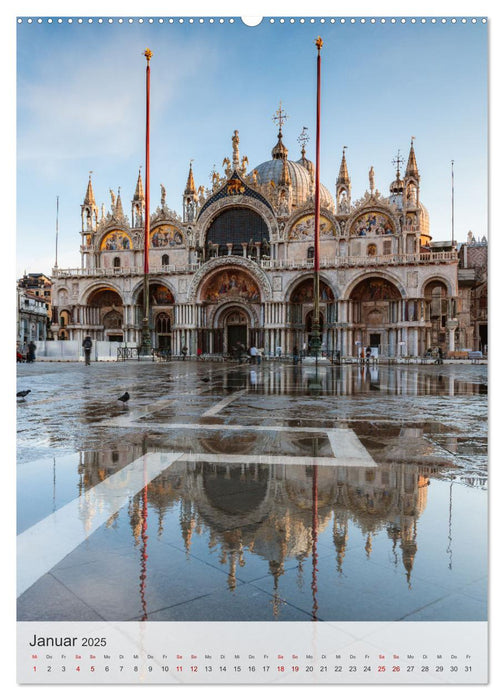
{"type": "Point", "coordinates": [374, 305]}
{"type": "Point", "coordinates": [438, 312]}
{"type": "Point", "coordinates": [112, 324]}
{"type": "Point", "coordinates": [300, 315]}
{"type": "Point", "coordinates": [163, 332]}
{"type": "Point", "coordinates": [230, 300]}
{"type": "Point", "coordinates": [105, 307]}
{"type": "Point", "coordinates": [161, 303]}
{"type": "Point", "coordinates": [236, 331]}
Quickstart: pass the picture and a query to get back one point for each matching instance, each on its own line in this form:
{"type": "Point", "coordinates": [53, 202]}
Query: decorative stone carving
{"type": "Point", "coordinates": [230, 261]}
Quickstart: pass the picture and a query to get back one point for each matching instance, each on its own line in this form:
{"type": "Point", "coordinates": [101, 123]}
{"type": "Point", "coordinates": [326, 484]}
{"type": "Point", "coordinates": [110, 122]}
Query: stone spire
{"type": "Point", "coordinates": [139, 191]}
{"type": "Point", "coordinates": [343, 187]}
{"type": "Point", "coordinates": [343, 177]}
{"type": "Point", "coordinates": [189, 200]}
{"type": "Point", "coordinates": [412, 168]}
{"type": "Point", "coordinates": [89, 198]}
{"type": "Point", "coordinates": [118, 208]}
{"type": "Point", "coordinates": [412, 180]}
{"type": "Point", "coordinates": [190, 187]}
{"type": "Point", "coordinates": [138, 203]}
{"type": "Point", "coordinates": [89, 210]}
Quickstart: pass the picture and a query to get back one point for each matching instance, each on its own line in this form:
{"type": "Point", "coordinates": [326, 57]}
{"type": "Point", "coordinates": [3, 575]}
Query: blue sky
{"type": "Point", "coordinates": [81, 105]}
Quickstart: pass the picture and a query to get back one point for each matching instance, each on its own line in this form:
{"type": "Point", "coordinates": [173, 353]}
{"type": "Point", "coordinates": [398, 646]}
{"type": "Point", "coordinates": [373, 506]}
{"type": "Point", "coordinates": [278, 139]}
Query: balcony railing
{"type": "Point", "coordinates": [325, 263]}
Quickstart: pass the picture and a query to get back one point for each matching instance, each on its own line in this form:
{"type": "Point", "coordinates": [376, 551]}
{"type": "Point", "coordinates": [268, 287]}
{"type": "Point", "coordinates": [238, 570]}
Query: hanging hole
{"type": "Point", "coordinates": [251, 21]}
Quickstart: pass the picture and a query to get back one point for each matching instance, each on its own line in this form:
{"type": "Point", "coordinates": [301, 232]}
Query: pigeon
{"type": "Point", "coordinates": [124, 397]}
{"type": "Point", "coordinates": [22, 394]}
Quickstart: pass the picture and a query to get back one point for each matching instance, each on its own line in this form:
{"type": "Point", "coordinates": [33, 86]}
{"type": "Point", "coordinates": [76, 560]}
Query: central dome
{"type": "Point", "coordinates": [299, 174]}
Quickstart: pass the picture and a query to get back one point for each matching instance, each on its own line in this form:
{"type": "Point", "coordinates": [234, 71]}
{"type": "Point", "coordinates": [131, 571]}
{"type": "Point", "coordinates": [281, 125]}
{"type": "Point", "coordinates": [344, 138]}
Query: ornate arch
{"type": "Point", "coordinates": [302, 278]}
{"type": "Point", "coordinates": [240, 201]}
{"type": "Point", "coordinates": [154, 280]}
{"type": "Point", "coordinates": [218, 313]}
{"type": "Point", "coordinates": [165, 235]}
{"type": "Point", "coordinates": [230, 261]}
{"type": "Point", "coordinates": [371, 207]}
{"type": "Point", "coordinates": [118, 238]}
{"type": "Point", "coordinates": [97, 286]}
{"type": "Point", "coordinates": [347, 292]}
{"type": "Point", "coordinates": [63, 296]}
{"type": "Point", "coordinates": [441, 280]}
{"type": "Point", "coordinates": [306, 211]}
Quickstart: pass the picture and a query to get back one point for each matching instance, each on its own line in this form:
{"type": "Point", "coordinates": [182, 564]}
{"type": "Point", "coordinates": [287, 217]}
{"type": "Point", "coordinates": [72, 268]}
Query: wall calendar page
{"type": "Point", "coordinates": [252, 346]}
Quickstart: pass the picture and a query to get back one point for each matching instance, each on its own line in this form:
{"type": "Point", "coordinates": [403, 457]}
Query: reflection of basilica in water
{"type": "Point", "coordinates": [276, 512]}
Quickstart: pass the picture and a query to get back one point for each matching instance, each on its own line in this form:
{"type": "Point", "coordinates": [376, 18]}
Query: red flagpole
{"type": "Point", "coordinates": [148, 55]}
{"type": "Point", "coordinates": [316, 341]}
{"type": "Point", "coordinates": [318, 43]}
{"type": "Point", "coordinates": [146, 340]}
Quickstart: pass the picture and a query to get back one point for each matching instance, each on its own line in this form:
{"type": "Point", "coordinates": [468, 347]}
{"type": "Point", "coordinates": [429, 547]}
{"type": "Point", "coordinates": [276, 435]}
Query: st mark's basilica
{"type": "Point", "coordinates": [237, 265]}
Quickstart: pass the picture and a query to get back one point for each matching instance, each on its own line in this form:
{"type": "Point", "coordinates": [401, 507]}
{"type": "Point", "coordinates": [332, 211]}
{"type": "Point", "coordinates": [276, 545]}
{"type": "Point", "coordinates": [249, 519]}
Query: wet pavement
{"type": "Point", "coordinates": [272, 492]}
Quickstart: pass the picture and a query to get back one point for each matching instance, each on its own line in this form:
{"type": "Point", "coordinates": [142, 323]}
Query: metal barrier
{"type": "Point", "coordinates": [125, 353]}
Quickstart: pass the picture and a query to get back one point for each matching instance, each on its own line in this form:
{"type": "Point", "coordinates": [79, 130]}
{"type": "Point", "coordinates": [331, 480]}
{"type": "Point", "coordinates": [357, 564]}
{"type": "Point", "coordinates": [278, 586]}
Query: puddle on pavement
{"type": "Point", "coordinates": [336, 543]}
{"type": "Point", "coordinates": [330, 542]}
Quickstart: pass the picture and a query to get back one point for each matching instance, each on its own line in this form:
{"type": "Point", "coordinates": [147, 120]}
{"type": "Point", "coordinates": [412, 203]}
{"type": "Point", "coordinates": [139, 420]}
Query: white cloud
{"type": "Point", "coordinates": [93, 103]}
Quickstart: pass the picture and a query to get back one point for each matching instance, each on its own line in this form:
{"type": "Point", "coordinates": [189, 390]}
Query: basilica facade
{"type": "Point", "coordinates": [236, 266]}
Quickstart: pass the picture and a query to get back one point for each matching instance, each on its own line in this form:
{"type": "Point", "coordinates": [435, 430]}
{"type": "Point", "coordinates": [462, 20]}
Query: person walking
{"type": "Point", "coordinates": [87, 344]}
{"type": "Point", "coordinates": [184, 352]}
{"type": "Point", "coordinates": [295, 354]}
{"type": "Point", "coordinates": [31, 351]}
{"type": "Point", "coordinates": [253, 354]}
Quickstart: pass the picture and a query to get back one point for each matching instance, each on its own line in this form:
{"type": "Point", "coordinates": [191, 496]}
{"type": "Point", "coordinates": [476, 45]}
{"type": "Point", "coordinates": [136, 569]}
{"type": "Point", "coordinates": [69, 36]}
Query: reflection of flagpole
{"type": "Point", "coordinates": [314, 537]}
{"type": "Point", "coordinates": [145, 537]}
{"type": "Point", "coordinates": [316, 341]}
{"type": "Point", "coordinates": [146, 341]}
{"type": "Point", "coordinates": [54, 484]}
{"type": "Point", "coordinates": [449, 550]}
{"type": "Point", "coordinates": [314, 585]}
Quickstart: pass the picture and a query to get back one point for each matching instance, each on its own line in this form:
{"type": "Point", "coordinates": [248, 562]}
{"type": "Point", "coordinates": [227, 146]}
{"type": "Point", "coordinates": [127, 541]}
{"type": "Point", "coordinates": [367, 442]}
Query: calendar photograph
{"type": "Point", "coordinates": [252, 350]}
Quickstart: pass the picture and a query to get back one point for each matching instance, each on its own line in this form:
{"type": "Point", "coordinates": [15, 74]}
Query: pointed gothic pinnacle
{"type": "Point", "coordinates": [118, 210]}
{"type": "Point", "coordinates": [343, 177]}
{"type": "Point", "coordinates": [412, 167]}
{"type": "Point", "coordinates": [190, 187]}
{"type": "Point", "coordinates": [139, 191]}
{"type": "Point", "coordinates": [89, 198]}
